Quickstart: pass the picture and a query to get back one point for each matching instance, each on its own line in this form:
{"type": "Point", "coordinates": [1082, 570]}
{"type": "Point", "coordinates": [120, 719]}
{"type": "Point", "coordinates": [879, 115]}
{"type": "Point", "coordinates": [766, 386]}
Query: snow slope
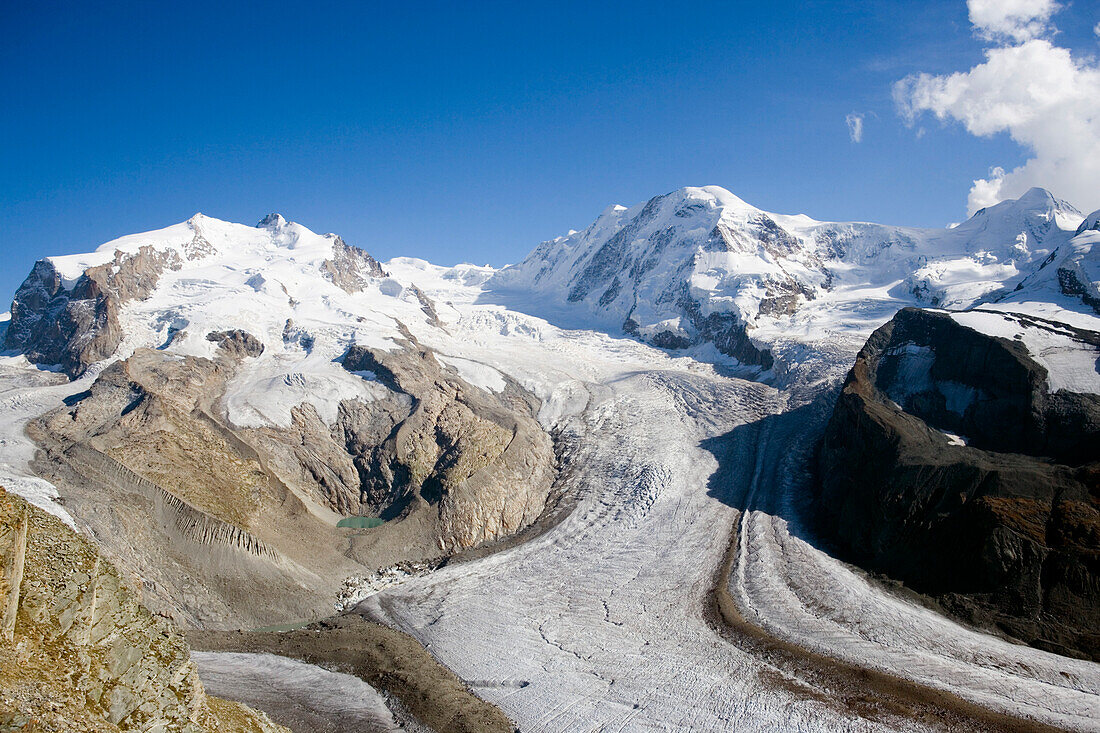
{"type": "Point", "coordinates": [602, 615]}
{"type": "Point", "coordinates": [663, 451]}
{"type": "Point", "coordinates": [664, 268]}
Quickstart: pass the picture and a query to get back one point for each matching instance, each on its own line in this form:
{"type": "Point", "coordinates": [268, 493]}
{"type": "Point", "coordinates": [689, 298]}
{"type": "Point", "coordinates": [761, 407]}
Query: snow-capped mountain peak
{"type": "Point", "coordinates": [1034, 199]}
{"type": "Point", "coordinates": [1034, 215]}
{"type": "Point", "coordinates": [695, 266]}
{"type": "Point", "coordinates": [200, 237]}
{"type": "Point", "coordinates": [173, 286]}
{"type": "Point", "coordinates": [701, 264]}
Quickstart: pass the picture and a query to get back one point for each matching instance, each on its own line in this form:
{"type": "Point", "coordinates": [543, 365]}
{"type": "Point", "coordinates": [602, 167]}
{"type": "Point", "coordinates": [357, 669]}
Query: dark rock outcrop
{"type": "Point", "coordinates": [1071, 282]}
{"type": "Point", "coordinates": [236, 343]}
{"type": "Point", "coordinates": [77, 326]}
{"type": "Point", "coordinates": [1091, 223]}
{"type": "Point", "coordinates": [1005, 530]}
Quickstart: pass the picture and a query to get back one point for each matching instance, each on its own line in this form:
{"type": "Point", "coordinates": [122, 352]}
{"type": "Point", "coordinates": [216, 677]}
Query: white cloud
{"type": "Point", "coordinates": [986, 191]}
{"type": "Point", "coordinates": [1038, 93]}
{"type": "Point", "coordinates": [1096, 29]}
{"type": "Point", "coordinates": [1017, 20]}
{"type": "Point", "coordinates": [855, 126]}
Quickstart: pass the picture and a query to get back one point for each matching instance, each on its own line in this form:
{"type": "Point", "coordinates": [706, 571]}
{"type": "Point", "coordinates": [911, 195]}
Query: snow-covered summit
{"type": "Point", "coordinates": [701, 264]}
{"type": "Point", "coordinates": [201, 237]}
{"type": "Point", "coordinates": [305, 297]}
{"type": "Point", "coordinates": [271, 221]}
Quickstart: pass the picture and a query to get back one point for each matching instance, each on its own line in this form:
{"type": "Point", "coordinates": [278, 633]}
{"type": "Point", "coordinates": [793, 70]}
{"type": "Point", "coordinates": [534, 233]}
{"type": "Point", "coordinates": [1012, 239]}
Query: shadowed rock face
{"type": "Point", "coordinates": [1004, 531]}
{"type": "Point", "coordinates": [74, 328]}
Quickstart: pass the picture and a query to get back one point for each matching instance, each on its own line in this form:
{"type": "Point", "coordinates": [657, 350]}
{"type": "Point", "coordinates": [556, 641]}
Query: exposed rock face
{"type": "Point", "coordinates": [482, 464]}
{"type": "Point", "coordinates": [78, 650]}
{"type": "Point", "coordinates": [75, 327]}
{"type": "Point", "coordinates": [248, 514]}
{"type": "Point", "coordinates": [237, 343]}
{"type": "Point", "coordinates": [1090, 224]}
{"type": "Point", "coordinates": [1071, 282]}
{"type": "Point", "coordinates": [172, 494]}
{"type": "Point", "coordinates": [1005, 530]}
{"type": "Point", "coordinates": [350, 266]}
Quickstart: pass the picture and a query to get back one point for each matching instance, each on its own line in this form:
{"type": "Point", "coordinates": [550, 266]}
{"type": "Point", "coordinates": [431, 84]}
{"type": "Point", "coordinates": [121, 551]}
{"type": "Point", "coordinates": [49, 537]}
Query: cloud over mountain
{"type": "Point", "coordinates": [1039, 93]}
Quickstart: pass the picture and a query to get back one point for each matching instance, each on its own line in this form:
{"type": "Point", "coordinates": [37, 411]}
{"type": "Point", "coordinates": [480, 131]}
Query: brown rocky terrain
{"type": "Point", "coordinates": [1004, 531]}
{"type": "Point", "coordinates": [235, 527]}
{"type": "Point", "coordinates": [483, 464]}
{"type": "Point", "coordinates": [78, 651]}
{"type": "Point", "coordinates": [176, 498]}
{"type": "Point", "coordinates": [387, 659]}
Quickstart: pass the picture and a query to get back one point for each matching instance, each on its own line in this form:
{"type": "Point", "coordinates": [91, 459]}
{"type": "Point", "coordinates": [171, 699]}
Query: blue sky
{"type": "Point", "coordinates": [469, 132]}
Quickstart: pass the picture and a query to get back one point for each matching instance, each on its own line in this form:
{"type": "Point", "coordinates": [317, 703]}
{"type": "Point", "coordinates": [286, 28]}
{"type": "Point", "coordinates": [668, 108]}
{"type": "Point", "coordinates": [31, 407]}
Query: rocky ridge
{"type": "Point", "coordinates": [701, 266]}
{"type": "Point", "coordinates": [949, 463]}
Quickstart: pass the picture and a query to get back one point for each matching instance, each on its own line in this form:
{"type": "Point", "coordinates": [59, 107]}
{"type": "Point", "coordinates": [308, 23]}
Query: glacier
{"type": "Point", "coordinates": [684, 351]}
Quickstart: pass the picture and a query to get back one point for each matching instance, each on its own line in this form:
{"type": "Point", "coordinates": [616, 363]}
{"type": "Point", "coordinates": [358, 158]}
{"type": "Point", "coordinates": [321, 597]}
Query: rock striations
{"type": "Point", "coordinates": [78, 651]}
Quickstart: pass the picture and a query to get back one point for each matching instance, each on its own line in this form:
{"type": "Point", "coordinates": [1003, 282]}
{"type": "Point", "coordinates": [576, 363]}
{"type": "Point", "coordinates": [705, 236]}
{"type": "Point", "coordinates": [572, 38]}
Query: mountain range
{"type": "Point", "coordinates": [222, 407]}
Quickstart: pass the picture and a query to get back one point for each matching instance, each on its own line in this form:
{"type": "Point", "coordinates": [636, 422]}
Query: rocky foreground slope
{"type": "Point", "coordinates": [78, 651]}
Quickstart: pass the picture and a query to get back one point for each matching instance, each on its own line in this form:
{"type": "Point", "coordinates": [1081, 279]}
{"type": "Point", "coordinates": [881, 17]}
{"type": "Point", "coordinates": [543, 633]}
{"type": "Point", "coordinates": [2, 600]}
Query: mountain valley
{"type": "Point", "coordinates": [873, 449]}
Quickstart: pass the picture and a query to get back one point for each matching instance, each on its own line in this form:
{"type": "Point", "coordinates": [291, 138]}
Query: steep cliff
{"type": "Point", "coordinates": [950, 463]}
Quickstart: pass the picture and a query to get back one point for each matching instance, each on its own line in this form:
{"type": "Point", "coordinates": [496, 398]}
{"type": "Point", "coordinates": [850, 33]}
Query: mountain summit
{"type": "Point", "coordinates": [701, 265]}
{"type": "Point", "coordinates": [258, 421]}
